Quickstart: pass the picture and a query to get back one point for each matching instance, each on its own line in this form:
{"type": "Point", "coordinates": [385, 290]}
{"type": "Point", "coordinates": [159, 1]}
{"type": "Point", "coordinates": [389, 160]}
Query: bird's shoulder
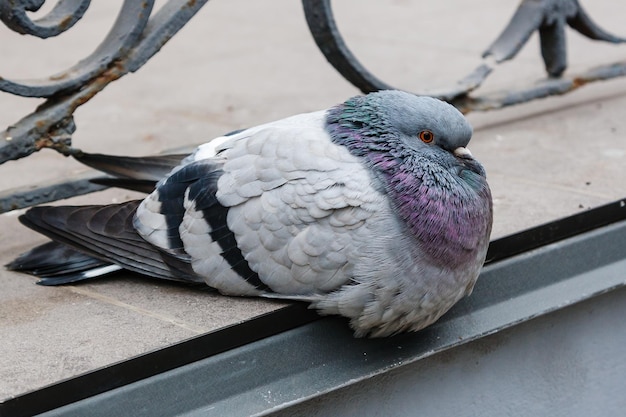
{"type": "Point", "coordinates": [294, 158]}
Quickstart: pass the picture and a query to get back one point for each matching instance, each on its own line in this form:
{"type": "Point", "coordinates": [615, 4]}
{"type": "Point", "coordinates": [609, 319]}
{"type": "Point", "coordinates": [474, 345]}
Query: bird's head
{"type": "Point", "coordinates": [416, 148]}
{"type": "Point", "coordinates": [394, 121]}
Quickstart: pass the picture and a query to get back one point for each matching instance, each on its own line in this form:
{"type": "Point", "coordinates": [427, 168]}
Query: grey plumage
{"type": "Point", "coordinates": [373, 210]}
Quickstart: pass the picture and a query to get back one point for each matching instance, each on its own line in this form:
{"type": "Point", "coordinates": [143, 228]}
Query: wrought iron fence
{"type": "Point", "coordinates": [138, 33]}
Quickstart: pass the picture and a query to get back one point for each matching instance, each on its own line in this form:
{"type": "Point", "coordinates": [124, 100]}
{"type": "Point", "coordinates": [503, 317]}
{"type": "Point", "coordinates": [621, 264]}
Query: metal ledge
{"type": "Point", "coordinates": [275, 361]}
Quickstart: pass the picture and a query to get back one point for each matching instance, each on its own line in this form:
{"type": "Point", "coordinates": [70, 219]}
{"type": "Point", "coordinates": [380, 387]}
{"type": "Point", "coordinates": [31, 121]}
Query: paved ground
{"type": "Point", "coordinates": [239, 63]}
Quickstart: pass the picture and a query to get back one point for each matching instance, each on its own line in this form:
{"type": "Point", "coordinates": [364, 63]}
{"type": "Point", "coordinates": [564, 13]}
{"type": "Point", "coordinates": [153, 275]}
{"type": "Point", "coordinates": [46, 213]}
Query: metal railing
{"type": "Point", "coordinates": [138, 33]}
{"type": "Point", "coordinates": [549, 17]}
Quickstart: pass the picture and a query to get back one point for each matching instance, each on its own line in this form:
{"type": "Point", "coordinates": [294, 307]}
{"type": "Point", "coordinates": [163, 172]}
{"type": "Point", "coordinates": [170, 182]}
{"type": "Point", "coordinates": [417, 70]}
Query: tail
{"type": "Point", "coordinates": [57, 264]}
{"type": "Point", "coordinates": [101, 240]}
{"type": "Point", "coordinates": [132, 173]}
{"type": "Point", "coordinates": [135, 173]}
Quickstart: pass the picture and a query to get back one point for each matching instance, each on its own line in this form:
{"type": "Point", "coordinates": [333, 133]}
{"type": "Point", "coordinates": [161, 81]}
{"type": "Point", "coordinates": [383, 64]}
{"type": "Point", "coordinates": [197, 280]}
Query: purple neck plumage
{"type": "Point", "coordinates": [447, 211]}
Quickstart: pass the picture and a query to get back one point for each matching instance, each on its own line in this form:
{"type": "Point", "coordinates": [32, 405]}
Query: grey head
{"type": "Point", "coordinates": [394, 121]}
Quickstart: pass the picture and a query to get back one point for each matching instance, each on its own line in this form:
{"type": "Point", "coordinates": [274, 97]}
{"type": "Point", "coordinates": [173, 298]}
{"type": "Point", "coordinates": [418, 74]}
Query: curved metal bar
{"type": "Point", "coordinates": [127, 28]}
{"type": "Point", "coordinates": [319, 17]}
{"type": "Point", "coordinates": [583, 24]}
{"type": "Point", "coordinates": [526, 20]}
{"type": "Point", "coordinates": [62, 17]}
{"type": "Point", "coordinates": [170, 18]}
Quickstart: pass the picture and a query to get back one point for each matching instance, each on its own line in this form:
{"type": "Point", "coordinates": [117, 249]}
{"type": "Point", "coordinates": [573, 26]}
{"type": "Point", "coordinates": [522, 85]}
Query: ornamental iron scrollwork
{"type": "Point", "coordinates": [548, 17]}
{"type": "Point", "coordinates": [130, 23]}
{"type": "Point", "coordinates": [138, 33]}
{"type": "Point", "coordinates": [62, 17]}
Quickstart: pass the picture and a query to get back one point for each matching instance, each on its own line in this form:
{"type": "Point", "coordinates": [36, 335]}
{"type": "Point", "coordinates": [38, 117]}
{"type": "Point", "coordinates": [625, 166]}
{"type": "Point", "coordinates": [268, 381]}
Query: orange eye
{"type": "Point", "coordinates": [427, 136]}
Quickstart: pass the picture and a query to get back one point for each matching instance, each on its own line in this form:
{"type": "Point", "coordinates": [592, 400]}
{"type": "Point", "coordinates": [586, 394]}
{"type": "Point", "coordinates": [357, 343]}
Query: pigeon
{"type": "Point", "coordinates": [374, 210]}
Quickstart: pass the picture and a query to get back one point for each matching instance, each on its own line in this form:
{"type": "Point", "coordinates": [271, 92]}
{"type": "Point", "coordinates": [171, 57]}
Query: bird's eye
{"type": "Point", "coordinates": [427, 136]}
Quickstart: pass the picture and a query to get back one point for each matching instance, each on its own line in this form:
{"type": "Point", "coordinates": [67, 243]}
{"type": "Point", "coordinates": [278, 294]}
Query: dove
{"type": "Point", "coordinates": [373, 209]}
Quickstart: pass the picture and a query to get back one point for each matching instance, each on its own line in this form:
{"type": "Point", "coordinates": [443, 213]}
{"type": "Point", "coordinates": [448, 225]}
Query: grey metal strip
{"type": "Point", "coordinates": [45, 192]}
{"type": "Point", "coordinates": [321, 357]}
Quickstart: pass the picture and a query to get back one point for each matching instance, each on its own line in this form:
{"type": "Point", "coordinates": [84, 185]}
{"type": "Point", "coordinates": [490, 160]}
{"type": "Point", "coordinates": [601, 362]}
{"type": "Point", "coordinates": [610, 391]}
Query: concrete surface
{"type": "Point", "coordinates": [239, 63]}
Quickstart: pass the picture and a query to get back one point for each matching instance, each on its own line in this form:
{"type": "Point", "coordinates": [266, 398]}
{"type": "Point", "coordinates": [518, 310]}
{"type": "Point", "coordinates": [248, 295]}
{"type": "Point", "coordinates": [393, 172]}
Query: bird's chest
{"type": "Point", "coordinates": [448, 218]}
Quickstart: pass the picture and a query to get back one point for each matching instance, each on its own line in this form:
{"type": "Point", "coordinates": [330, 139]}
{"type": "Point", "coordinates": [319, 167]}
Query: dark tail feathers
{"type": "Point", "coordinates": [132, 173]}
{"type": "Point", "coordinates": [102, 235]}
{"type": "Point", "coordinates": [57, 264]}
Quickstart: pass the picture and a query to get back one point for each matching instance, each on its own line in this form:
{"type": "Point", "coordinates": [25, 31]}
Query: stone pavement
{"type": "Point", "coordinates": [239, 63]}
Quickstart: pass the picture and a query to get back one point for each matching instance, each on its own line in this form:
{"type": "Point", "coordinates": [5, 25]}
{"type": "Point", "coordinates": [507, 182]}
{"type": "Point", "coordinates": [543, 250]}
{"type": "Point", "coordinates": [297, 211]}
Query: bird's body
{"type": "Point", "coordinates": [373, 210]}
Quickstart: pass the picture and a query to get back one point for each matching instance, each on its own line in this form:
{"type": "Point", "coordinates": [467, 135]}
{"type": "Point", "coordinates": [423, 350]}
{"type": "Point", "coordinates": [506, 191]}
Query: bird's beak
{"type": "Point", "coordinates": [462, 152]}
